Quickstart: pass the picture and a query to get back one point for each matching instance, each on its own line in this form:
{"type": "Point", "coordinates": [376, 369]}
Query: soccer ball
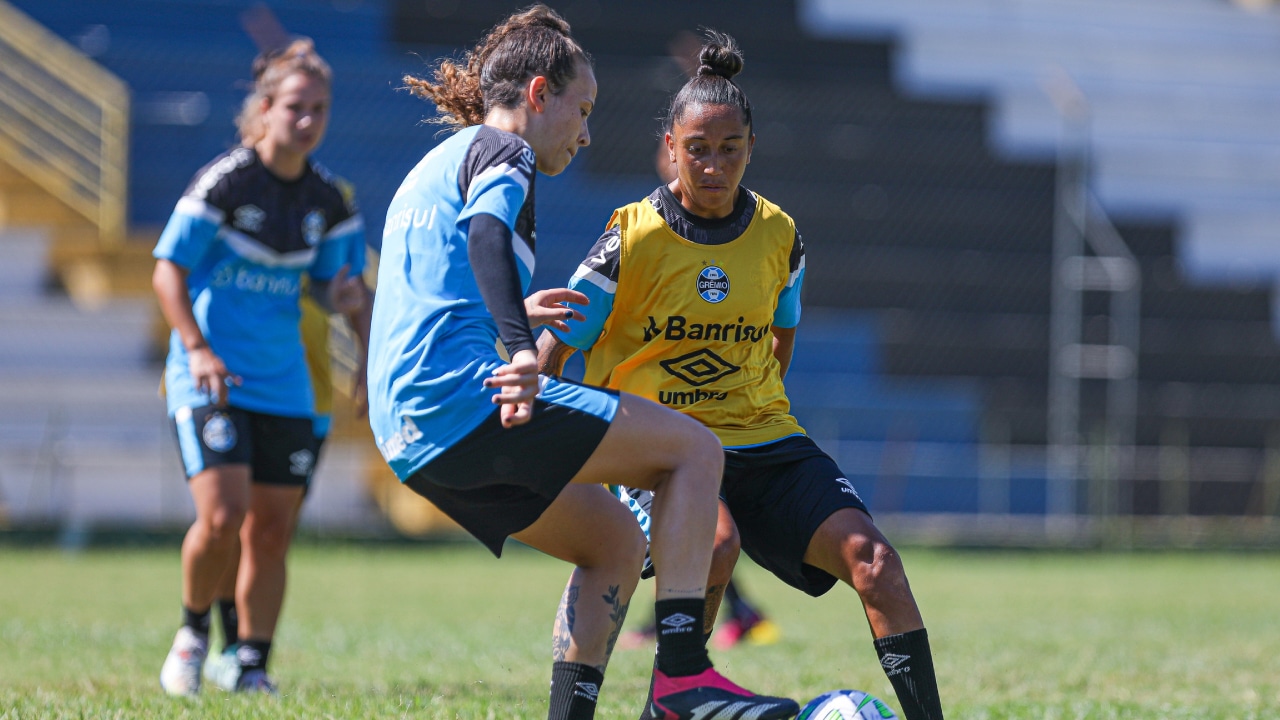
{"type": "Point", "coordinates": [847, 705]}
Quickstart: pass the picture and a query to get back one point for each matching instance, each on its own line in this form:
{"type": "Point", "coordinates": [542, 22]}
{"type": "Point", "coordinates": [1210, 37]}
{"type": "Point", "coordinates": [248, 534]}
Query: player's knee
{"type": "Point", "coordinates": [270, 537]}
{"type": "Point", "coordinates": [624, 549]}
{"type": "Point", "coordinates": [630, 552]}
{"type": "Point", "coordinates": [875, 567]}
{"type": "Point", "coordinates": [637, 550]}
{"type": "Point", "coordinates": [704, 455]}
{"type": "Point", "coordinates": [222, 526]}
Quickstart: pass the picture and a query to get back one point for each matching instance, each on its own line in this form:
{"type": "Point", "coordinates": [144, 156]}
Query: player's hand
{"type": "Point", "coordinates": [360, 391]}
{"type": "Point", "coordinates": [210, 374]}
{"type": "Point", "coordinates": [519, 385]}
{"type": "Point", "coordinates": [517, 414]}
{"type": "Point", "coordinates": [547, 307]}
{"type": "Point", "coordinates": [346, 293]}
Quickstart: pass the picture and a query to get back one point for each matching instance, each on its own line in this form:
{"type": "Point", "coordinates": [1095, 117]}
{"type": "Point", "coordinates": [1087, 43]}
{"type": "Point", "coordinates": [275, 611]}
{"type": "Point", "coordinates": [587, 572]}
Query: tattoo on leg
{"type": "Point", "coordinates": [684, 592]}
{"type": "Point", "coordinates": [565, 616]}
{"type": "Point", "coordinates": [715, 595]}
{"type": "Point", "coordinates": [617, 616]}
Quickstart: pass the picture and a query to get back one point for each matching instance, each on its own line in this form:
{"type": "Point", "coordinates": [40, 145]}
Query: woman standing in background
{"type": "Point", "coordinates": [230, 267]}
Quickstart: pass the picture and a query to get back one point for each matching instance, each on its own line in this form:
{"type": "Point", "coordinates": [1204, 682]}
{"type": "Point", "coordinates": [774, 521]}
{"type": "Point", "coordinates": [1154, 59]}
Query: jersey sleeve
{"type": "Point", "coordinates": [198, 216]}
{"type": "Point", "coordinates": [343, 243]}
{"type": "Point", "coordinates": [498, 279]}
{"type": "Point", "coordinates": [351, 231]}
{"type": "Point", "coordinates": [496, 179]}
{"type": "Point", "coordinates": [597, 278]}
{"type": "Point", "coordinates": [788, 313]}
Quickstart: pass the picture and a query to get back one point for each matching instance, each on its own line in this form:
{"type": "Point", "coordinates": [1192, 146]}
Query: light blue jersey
{"type": "Point", "coordinates": [433, 339]}
{"type": "Point", "coordinates": [246, 238]}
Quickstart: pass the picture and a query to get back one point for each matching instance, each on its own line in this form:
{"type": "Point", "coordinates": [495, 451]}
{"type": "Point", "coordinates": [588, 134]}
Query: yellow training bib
{"type": "Point", "coordinates": [690, 326]}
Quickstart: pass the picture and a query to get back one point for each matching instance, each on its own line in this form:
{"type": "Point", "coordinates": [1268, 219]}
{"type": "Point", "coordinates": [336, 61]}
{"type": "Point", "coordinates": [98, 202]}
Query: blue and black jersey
{"type": "Point", "coordinates": [246, 238]}
{"type": "Point", "coordinates": [433, 338]}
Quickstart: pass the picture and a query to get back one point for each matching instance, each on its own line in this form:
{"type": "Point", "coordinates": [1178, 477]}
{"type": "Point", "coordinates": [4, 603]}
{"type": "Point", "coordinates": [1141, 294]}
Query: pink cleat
{"type": "Point", "coordinates": [711, 696]}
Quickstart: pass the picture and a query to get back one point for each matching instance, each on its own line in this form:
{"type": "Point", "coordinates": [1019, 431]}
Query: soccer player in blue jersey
{"type": "Point", "coordinates": [223, 668]}
{"type": "Point", "coordinates": [694, 301]}
{"type": "Point", "coordinates": [502, 451]}
{"type": "Point", "coordinates": [230, 266]}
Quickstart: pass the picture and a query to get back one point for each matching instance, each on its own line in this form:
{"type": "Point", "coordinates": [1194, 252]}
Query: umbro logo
{"type": "Point", "coordinates": [847, 487]}
{"type": "Point", "coordinates": [892, 661]}
{"type": "Point", "coordinates": [249, 218]}
{"type": "Point", "coordinates": [302, 462]}
{"type": "Point", "coordinates": [248, 655]}
{"type": "Point", "coordinates": [699, 367]}
{"type": "Point", "coordinates": [678, 623]}
{"type": "Point", "coordinates": [590, 691]}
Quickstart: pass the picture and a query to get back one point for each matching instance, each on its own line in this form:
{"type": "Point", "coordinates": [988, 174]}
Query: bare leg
{"type": "Point", "coordinates": [588, 527]}
{"type": "Point", "coordinates": [850, 546]}
{"type": "Point", "coordinates": [681, 461]}
{"type": "Point", "coordinates": [227, 584]}
{"type": "Point", "coordinates": [221, 496]}
{"type": "Point", "coordinates": [227, 592]}
{"type": "Point", "coordinates": [723, 559]}
{"type": "Point", "coordinates": [265, 538]}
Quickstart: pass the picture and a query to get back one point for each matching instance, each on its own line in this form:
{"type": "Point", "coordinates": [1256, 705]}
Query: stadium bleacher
{"type": "Point", "coordinates": [929, 240]}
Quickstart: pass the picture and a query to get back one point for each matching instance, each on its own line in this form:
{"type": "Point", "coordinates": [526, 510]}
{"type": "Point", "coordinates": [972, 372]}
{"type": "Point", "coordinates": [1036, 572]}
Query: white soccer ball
{"type": "Point", "coordinates": [846, 705]}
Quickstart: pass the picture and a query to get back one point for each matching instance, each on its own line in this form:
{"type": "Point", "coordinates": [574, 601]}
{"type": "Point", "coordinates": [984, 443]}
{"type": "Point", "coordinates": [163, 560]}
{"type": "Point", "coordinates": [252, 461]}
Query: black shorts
{"type": "Point", "coordinates": [779, 494]}
{"type": "Point", "coordinates": [497, 481]}
{"type": "Point", "coordinates": [278, 450]}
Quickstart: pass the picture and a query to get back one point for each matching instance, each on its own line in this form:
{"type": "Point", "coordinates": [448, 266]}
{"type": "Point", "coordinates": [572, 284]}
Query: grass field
{"type": "Point", "coordinates": [447, 632]}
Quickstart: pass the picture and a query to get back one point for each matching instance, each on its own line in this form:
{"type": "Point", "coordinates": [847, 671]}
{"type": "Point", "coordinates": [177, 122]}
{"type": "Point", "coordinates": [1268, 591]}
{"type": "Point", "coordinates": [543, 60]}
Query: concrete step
{"type": "Point", "coordinates": [24, 265]}
{"type": "Point", "coordinates": [57, 335]}
{"type": "Point", "coordinates": [35, 206]}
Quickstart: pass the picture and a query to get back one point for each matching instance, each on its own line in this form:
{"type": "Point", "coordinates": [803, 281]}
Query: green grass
{"type": "Point", "coordinates": [448, 632]}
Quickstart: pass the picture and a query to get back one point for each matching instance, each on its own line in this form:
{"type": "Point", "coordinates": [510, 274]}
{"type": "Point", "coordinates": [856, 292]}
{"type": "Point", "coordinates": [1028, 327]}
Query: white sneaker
{"type": "Point", "coordinates": [180, 674]}
{"type": "Point", "coordinates": [256, 681]}
{"type": "Point", "coordinates": [223, 670]}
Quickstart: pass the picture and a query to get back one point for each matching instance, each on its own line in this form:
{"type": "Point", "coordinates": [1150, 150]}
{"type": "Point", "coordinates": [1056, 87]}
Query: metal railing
{"type": "Point", "coordinates": [64, 122]}
{"type": "Point", "coordinates": [1088, 256]}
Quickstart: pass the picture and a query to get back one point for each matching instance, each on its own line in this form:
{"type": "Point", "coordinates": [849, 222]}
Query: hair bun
{"type": "Point", "coordinates": [720, 56]}
{"type": "Point", "coordinates": [539, 16]}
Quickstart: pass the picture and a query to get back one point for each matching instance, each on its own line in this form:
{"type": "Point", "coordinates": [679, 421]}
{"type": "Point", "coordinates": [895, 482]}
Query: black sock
{"type": "Point", "coordinates": [252, 654]}
{"type": "Point", "coordinates": [646, 713]}
{"type": "Point", "coordinates": [197, 621]}
{"type": "Point", "coordinates": [907, 661]}
{"type": "Point", "coordinates": [738, 607]}
{"type": "Point", "coordinates": [574, 689]}
{"type": "Point", "coordinates": [230, 621]}
{"type": "Point", "coordinates": [681, 650]}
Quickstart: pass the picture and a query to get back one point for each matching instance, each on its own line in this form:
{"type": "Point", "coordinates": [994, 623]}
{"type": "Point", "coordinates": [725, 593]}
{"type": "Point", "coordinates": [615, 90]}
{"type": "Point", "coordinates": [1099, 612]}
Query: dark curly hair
{"type": "Point", "coordinates": [534, 41]}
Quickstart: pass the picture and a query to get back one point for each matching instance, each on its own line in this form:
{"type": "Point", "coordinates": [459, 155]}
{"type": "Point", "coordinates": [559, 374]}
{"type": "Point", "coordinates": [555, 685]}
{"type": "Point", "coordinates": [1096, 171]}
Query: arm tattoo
{"type": "Point", "coordinates": [565, 617]}
{"type": "Point", "coordinates": [617, 616]}
{"type": "Point", "coordinates": [552, 354]}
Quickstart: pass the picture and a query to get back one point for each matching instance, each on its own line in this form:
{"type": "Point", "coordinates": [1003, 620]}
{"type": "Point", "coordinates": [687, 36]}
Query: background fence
{"type": "Point", "coordinates": [1040, 301]}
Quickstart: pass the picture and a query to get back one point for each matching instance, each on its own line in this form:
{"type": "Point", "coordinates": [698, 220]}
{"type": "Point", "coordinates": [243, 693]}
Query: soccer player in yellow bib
{"type": "Point", "coordinates": [695, 298]}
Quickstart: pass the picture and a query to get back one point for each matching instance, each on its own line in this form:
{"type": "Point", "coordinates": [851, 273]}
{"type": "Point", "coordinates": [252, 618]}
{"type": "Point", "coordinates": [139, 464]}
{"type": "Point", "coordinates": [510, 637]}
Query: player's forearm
{"type": "Point", "coordinates": [552, 354]}
{"type": "Point", "coordinates": [493, 263]}
{"type": "Point", "coordinates": [362, 319]}
{"type": "Point", "coordinates": [174, 296]}
{"type": "Point", "coordinates": [784, 344]}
